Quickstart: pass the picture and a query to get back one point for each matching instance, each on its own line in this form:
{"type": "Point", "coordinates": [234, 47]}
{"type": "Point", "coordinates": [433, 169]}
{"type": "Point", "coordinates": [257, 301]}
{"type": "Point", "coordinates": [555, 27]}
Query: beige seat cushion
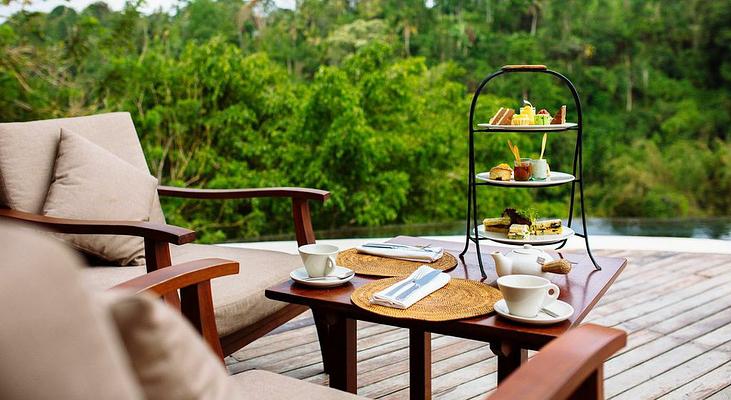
{"type": "Point", "coordinates": [258, 384]}
{"type": "Point", "coordinates": [28, 151]}
{"type": "Point", "coordinates": [238, 300]}
{"type": "Point", "coordinates": [169, 358]}
{"type": "Point", "coordinates": [90, 183]}
{"type": "Point", "coordinates": [54, 344]}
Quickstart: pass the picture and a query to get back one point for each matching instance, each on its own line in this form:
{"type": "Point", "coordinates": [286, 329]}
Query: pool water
{"type": "Point", "coordinates": [708, 228]}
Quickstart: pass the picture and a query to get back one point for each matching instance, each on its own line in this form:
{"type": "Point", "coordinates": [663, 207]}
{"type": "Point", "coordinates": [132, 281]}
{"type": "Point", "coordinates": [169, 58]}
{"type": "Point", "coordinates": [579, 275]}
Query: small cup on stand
{"type": "Point", "coordinates": [539, 169]}
{"type": "Point", "coordinates": [522, 169]}
{"type": "Point", "coordinates": [319, 259]}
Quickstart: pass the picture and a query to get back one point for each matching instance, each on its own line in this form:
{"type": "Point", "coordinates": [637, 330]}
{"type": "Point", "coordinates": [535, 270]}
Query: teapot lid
{"type": "Point", "coordinates": [528, 249]}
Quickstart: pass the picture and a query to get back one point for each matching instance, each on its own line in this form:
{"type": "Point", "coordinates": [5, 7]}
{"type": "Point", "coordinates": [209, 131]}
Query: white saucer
{"type": "Point", "coordinates": [300, 275]}
{"type": "Point", "coordinates": [563, 309]}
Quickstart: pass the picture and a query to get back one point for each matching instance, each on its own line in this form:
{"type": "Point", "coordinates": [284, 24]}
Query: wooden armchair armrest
{"type": "Point", "coordinates": [300, 208]}
{"type": "Point", "coordinates": [193, 279]}
{"type": "Point", "coordinates": [570, 367]}
{"type": "Point", "coordinates": [291, 192]}
{"type": "Point", "coordinates": [156, 232]}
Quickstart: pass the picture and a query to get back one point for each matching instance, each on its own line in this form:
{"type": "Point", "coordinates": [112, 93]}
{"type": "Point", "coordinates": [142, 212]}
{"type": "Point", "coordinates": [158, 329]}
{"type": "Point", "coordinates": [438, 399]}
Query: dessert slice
{"type": "Point", "coordinates": [496, 224]}
{"type": "Point", "coordinates": [560, 117]}
{"type": "Point", "coordinates": [518, 231]}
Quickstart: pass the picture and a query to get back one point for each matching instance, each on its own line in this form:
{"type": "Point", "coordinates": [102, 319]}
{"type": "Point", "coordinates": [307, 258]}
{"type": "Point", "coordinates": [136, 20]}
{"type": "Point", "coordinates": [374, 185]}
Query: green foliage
{"type": "Point", "coordinates": [370, 100]}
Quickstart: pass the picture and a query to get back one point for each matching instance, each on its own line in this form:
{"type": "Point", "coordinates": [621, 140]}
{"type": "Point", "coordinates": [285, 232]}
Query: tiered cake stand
{"type": "Point", "coordinates": [474, 232]}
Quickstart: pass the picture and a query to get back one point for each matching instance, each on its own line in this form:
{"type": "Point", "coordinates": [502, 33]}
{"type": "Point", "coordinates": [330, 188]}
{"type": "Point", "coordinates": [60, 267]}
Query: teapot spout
{"type": "Point", "coordinates": [503, 265]}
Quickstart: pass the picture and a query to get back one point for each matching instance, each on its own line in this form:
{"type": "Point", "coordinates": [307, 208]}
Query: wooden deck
{"type": "Point", "coordinates": [676, 308]}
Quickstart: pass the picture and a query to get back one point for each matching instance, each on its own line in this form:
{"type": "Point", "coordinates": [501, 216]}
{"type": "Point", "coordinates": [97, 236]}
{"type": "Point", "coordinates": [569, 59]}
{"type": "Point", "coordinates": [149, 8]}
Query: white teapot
{"type": "Point", "coordinates": [524, 261]}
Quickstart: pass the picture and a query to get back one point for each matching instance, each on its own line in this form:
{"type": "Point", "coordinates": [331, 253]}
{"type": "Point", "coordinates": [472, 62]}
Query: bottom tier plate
{"type": "Point", "coordinates": [566, 232]}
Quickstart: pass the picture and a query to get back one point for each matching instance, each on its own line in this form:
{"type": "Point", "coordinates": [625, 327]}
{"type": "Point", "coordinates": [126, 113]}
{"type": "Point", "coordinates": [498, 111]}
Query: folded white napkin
{"type": "Point", "coordinates": [385, 298]}
{"type": "Point", "coordinates": [408, 253]}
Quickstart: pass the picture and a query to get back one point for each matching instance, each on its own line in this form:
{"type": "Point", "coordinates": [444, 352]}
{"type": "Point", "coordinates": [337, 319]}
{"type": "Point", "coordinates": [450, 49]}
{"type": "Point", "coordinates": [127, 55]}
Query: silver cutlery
{"type": "Point", "coordinates": [404, 284]}
{"type": "Point", "coordinates": [549, 312]}
{"type": "Point", "coordinates": [419, 283]}
{"type": "Point", "coordinates": [330, 277]}
{"type": "Point", "coordinates": [400, 246]}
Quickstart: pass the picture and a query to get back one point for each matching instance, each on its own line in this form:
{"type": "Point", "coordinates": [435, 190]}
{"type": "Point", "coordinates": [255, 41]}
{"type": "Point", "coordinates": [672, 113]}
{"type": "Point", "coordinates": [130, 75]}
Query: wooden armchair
{"type": "Point", "coordinates": [242, 313]}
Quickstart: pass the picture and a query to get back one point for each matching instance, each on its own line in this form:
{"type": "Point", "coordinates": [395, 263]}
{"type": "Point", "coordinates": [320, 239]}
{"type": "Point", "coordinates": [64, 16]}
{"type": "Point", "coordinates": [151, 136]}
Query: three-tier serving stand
{"type": "Point", "coordinates": [576, 179]}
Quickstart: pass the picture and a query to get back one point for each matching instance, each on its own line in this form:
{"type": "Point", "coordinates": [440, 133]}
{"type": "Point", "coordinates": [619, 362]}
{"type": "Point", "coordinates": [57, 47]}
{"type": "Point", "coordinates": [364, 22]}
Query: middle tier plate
{"type": "Point", "coordinates": [566, 232]}
{"type": "Point", "coordinates": [556, 178]}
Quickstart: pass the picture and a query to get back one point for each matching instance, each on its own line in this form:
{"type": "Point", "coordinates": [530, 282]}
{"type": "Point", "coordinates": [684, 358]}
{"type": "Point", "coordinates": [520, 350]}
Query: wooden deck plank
{"type": "Point", "coordinates": [676, 310]}
{"type": "Point", "coordinates": [705, 386]}
{"type": "Point", "coordinates": [674, 378]}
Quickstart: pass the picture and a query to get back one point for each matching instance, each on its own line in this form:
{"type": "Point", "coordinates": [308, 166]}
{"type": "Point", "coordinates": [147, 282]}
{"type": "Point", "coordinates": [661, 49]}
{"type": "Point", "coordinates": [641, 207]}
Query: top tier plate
{"type": "Point", "coordinates": [529, 128]}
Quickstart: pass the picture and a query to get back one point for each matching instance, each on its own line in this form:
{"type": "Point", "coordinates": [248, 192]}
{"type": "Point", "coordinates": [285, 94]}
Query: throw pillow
{"type": "Point", "coordinates": [168, 356]}
{"type": "Point", "coordinates": [90, 183]}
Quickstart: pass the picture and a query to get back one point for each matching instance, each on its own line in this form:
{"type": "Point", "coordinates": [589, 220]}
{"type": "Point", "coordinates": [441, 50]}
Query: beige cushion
{"type": "Point", "coordinates": [258, 384]}
{"type": "Point", "coordinates": [53, 343]}
{"type": "Point", "coordinates": [238, 300]}
{"type": "Point", "coordinates": [90, 183]}
{"type": "Point", "coordinates": [28, 151]}
{"type": "Point", "coordinates": [168, 356]}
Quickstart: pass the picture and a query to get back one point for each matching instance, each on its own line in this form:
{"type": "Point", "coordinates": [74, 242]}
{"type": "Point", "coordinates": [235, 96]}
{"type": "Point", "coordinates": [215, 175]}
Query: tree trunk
{"type": "Point", "coordinates": [628, 65]}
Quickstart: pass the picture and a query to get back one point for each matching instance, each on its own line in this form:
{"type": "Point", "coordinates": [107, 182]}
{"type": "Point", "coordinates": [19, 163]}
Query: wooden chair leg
{"type": "Point", "coordinates": [592, 388]}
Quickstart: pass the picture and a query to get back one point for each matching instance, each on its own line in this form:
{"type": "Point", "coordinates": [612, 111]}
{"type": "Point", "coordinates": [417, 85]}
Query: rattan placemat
{"type": "Point", "coordinates": [460, 298]}
{"type": "Point", "coordinates": [366, 264]}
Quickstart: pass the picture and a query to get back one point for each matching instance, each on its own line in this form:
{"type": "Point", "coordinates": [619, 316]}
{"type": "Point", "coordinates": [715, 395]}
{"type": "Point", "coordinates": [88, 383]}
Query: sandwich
{"type": "Point", "coordinates": [522, 217]}
{"type": "Point", "coordinates": [501, 172]}
{"type": "Point", "coordinates": [518, 231]}
{"type": "Point", "coordinates": [503, 116]}
{"type": "Point", "coordinates": [547, 227]}
{"type": "Point", "coordinates": [500, 225]}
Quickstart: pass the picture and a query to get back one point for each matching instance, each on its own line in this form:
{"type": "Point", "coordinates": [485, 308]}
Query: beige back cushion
{"type": "Point", "coordinates": [53, 343]}
{"type": "Point", "coordinates": [28, 151]}
{"type": "Point", "coordinates": [90, 183]}
{"type": "Point", "coordinates": [170, 359]}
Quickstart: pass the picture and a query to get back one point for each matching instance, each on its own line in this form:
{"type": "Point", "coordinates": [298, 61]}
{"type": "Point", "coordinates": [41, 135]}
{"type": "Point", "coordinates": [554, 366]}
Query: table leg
{"type": "Point", "coordinates": [342, 350]}
{"type": "Point", "coordinates": [323, 334]}
{"type": "Point", "coordinates": [419, 364]}
{"type": "Point", "coordinates": [509, 358]}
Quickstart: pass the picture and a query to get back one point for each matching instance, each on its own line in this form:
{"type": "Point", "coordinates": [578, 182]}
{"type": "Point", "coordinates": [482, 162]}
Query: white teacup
{"type": "Point", "coordinates": [525, 295]}
{"type": "Point", "coordinates": [539, 169]}
{"type": "Point", "coordinates": [319, 259]}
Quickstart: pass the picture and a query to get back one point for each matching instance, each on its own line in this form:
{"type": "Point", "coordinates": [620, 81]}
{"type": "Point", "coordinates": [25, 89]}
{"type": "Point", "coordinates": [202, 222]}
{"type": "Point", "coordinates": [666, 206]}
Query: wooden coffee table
{"type": "Point", "coordinates": [335, 317]}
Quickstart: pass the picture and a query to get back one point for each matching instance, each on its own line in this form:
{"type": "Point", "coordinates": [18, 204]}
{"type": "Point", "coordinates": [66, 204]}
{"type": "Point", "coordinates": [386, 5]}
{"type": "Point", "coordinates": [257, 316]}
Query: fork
{"type": "Point", "coordinates": [403, 285]}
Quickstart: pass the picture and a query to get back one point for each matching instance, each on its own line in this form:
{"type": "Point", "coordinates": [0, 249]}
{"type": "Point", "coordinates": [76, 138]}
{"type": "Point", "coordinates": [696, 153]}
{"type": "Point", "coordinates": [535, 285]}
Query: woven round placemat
{"type": "Point", "coordinates": [460, 298]}
{"type": "Point", "coordinates": [366, 264]}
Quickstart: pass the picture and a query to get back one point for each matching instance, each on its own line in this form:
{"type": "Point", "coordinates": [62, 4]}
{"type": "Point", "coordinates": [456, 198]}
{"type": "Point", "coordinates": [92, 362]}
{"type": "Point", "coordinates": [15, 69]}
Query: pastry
{"type": "Point", "coordinates": [501, 172]}
{"type": "Point", "coordinates": [518, 231]}
{"type": "Point", "coordinates": [502, 117]}
{"type": "Point", "coordinates": [560, 117]}
{"type": "Point", "coordinates": [496, 224]}
{"type": "Point", "coordinates": [526, 116]}
{"type": "Point", "coordinates": [542, 119]}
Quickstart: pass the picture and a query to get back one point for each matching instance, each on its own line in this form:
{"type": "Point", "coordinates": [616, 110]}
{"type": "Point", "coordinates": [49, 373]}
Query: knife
{"type": "Point", "coordinates": [419, 283]}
